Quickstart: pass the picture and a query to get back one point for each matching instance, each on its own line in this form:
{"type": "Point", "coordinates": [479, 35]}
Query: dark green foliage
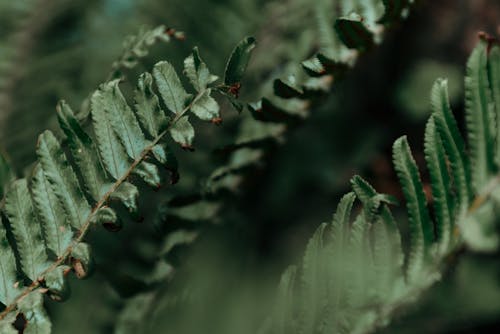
{"type": "Point", "coordinates": [344, 30]}
{"type": "Point", "coordinates": [238, 62]}
{"type": "Point", "coordinates": [354, 34]}
{"type": "Point", "coordinates": [353, 272]}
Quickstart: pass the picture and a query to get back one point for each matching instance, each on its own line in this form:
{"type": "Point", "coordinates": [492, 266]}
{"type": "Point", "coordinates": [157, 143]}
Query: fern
{"type": "Point", "coordinates": [70, 191]}
{"type": "Point", "coordinates": [292, 99]}
{"type": "Point", "coordinates": [49, 213]}
{"type": "Point", "coordinates": [356, 28]}
{"type": "Point", "coordinates": [355, 274]}
{"type": "Point", "coordinates": [290, 105]}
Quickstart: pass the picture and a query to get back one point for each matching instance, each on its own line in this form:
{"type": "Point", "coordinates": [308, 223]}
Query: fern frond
{"type": "Point", "coordinates": [197, 71]}
{"type": "Point", "coordinates": [69, 192]}
{"type": "Point", "coordinates": [35, 314]}
{"type": "Point", "coordinates": [152, 118]}
{"type": "Point", "coordinates": [9, 284]}
{"type": "Point", "coordinates": [84, 152]}
{"type": "Point", "coordinates": [56, 227]}
{"type": "Point", "coordinates": [422, 233]}
{"type": "Point", "coordinates": [313, 283]}
{"type": "Point", "coordinates": [453, 143]}
{"type": "Point", "coordinates": [238, 62]}
{"type": "Point", "coordinates": [284, 320]}
{"type": "Point", "coordinates": [363, 261]}
{"type": "Point", "coordinates": [63, 180]}
{"type": "Point", "coordinates": [356, 27]}
{"type": "Point", "coordinates": [355, 268]}
{"type": "Point", "coordinates": [480, 117]}
{"type": "Point", "coordinates": [170, 87]}
{"type": "Point", "coordinates": [26, 230]}
{"type": "Point", "coordinates": [6, 174]}
{"type": "Point", "coordinates": [494, 79]}
{"type": "Point", "coordinates": [440, 180]}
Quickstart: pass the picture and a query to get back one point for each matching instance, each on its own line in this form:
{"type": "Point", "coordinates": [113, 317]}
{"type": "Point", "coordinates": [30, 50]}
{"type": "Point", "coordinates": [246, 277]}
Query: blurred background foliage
{"type": "Point", "coordinates": [53, 49]}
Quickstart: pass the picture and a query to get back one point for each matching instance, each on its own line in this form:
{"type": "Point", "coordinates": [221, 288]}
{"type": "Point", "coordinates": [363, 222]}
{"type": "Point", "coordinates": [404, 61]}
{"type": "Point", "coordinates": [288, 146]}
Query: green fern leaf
{"type": "Point", "coordinates": [183, 132]}
{"type": "Point", "coordinates": [453, 143]}
{"type": "Point", "coordinates": [354, 33]}
{"type": "Point", "coordinates": [421, 230]}
{"type": "Point", "coordinates": [205, 107]}
{"type": "Point", "coordinates": [57, 231]}
{"type": "Point", "coordinates": [108, 218]}
{"type": "Point", "coordinates": [6, 175]}
{"type": "Point", "coordinates": [342, 215]}
{"type": "Point", "coordinates": [356, 266]}
{"type": "Point", "coordinates": [376, 211]}
{"type": "Point", "coordinates": [286, 89]}
{"type": "Point", "coordinates": [238, 61]}
{"type": "Point", "coordinates": [336, 250]}
{"type": "Point", "coordinates": [329, 42]}
{"type": "Point", "coordinates": [164, 155]}
{"type": "Point", "coordinates": [8, 274]}
{"type": "Point", "coordinates": [313, 284]}
{"type": "Point", "coordinates": [313, 67]}
{"type": "Point", "coordinates": [55, 197]}
{"type": "Point", "coordinates": [438, 170]}
{"type": "Point", "coordinates": [283, 317]}
{"type": "Point", "coordinates": [197, 71]}
{"type": "Point", "coordinates": [37, 320]}
{"type": "Point", "coordinates": [127, 194]}
{"type": "Point", "coordinates": [26, 230]}
{"type": "Point", "coordinates": [122, 119]}
{"type": "Point", "coordinates": [176, 239]}
{"type": "Point", "coordinates": [149, 174]}
{"type": "Point", "coordinates": [386, 263]}
{"type": "Point", "coordinates": [170, 87]}
{"type": "Point", "coordinates": [133, 318]}
{"type": "Point", "coordinates": [372, 201]}
{"type": "Point", "coordinates": [111, 150]}
{"type": "Point", "coordinates": [137, 46]}
{"type": "Point", "coordinates": [84, 153]}
{"type": "Point", "coordinates": [480, 119]}
{"type": "Point", "coordinates": [494, 79]}
{"type": "Point", "coordinates": [147, 105]}
{"type": "Point", "coordinates": [63, 180]}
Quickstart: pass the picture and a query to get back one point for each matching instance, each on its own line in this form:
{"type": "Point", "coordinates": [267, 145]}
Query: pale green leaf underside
{"type": "Point", "coordinates": [84, 153]}
{"type": "Point", "coordinates": [182, 131]}
{"type": "Point", "coordinates": [170, 87]}
{"type": "Point", "coordinates": [8, 276]}
{"type": "Point", "coordinates": [26, 230]}
{"type": "Point", "coordinates": [421, 232]}
{"type": "Point", "coordinates": [479, 115]}
{"type": "Point", "coordinates": [147, 105]}
{"type": "Point", "coordinates": [57, 231]}
{"type": "Point", "coordinates": [111, 150]}
{"type": "Point", "coordinates": [123, 120]}
{"type": "Point", "coordinates": [63, 180]}
{"type": "Point", "coordinates": [197, 71]}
